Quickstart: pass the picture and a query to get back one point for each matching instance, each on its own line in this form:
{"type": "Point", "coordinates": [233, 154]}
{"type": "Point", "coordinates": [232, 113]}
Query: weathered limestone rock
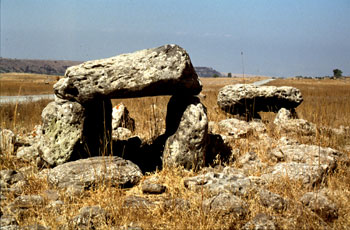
{"type": "Point", "coordinates": [229, 180]}
{"type": "Point", "coordinates": [309, 175]}
{"type": "Point", "coordinates": [226, 203]}
{"type": "Point", "coordinates": [286, 123]}
{"type": "Point", "coordinates": [152, 186]}
{"type": "Point", "coordinates": [7, 141]}
{"type": "Point", "coordinates": [121, 118]}
{"type": "Point", "coordinates": [240, 129]}
{"type": "Point", "coordinates": [320, 204]}
{"type": "Point", "coordinates": [89, 217]}
{"type": "Point", "coordinates": [309, 154]}
{"type": "Point", "coordinates": [166, 70]}
{"type": "Point", "coordinates": [93, 171]}
{"type": "Point", "coordinates": [246, 100]}
{"type": "Point", "coordinates": [275, 201]}
{"type": "Point", "coordinates": [261, 222]}
{"type": "Point", "coordinates": [187, 128]}
{"type": "Point", "coordinates": [73, 131]}
{"type": "Point", "coordinates": [250, 162]}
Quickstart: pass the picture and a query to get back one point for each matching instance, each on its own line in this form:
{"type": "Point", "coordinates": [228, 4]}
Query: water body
{"type": "Point", "coordinates": [28, 98]}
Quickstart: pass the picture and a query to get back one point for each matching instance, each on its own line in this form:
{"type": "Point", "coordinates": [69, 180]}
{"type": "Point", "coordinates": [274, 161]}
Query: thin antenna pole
{"type": "Point", "coordinates": [242, 64]}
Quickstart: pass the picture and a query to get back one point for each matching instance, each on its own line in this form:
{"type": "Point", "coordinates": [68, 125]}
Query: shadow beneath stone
{"type": "Point", "coordinates": [217, 150]}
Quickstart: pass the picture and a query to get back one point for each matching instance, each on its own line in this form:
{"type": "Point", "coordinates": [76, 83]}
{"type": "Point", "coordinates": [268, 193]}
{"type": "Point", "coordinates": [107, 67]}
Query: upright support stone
{"type": "Point", "coordinates": [187, 128]}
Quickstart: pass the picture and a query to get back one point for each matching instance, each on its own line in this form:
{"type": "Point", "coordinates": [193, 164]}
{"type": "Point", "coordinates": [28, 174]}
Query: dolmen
{"type": "Point", "coordinates": [247, 100]}
{"type": "Point", "coordinates": [78, 123]}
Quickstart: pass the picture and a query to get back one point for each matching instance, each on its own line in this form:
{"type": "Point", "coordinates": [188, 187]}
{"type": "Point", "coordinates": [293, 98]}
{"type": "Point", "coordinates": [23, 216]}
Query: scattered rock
{"type": "Point", "coordinates": [247, 100]}
{"type": "Point", "coordinates": [7, 221]}
{"type": "Point", "coordinates": [95, 170]}
{"type": "Point", "coordinates": [166, 70]}
{"type": "Point", "coordinates": [320, 204]}
{"type": "Point", "coordinates": [250, 162]}
{"type": "Point", "coordinates": [310, 175]}
{"type": "Point", "coordinates": [275, 201]}
{"type": "Point", "coordinates": [309, 154]}
{"type": "Point", "coordinates": [286, 123]}
{"type": "Point", "coordinates": [261, 222]}
{"type": "Point", "coordinates": [240, 129]}
{"type": "Point", "coordinates": [90, 217]}
{"type": "Point", "coordinates": [137, 202]}
{"type": "Point", "coordinates": [229, 180]}
{"type": "Point", "coordinates": [226, 203]}
{"type": "Point", "coordinates": [121, 133]}
{"type": "Point", "coordinates": [187, 128]}
{"type": "Point", "coordinates": [152, 187]}
{"type": "Point", "coordinates": [7, 141]}
{"type": "Point", "coordinates": [10, 177]}
{"type": "Point", "coordinates": [121, 118]}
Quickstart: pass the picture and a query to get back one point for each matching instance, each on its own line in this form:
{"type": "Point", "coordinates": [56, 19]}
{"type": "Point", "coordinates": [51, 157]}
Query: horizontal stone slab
{"type": "Point", "coordinates": [166, 70]}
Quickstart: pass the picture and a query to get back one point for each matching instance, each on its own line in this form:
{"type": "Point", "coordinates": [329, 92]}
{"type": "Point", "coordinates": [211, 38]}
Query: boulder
{"type": "Point", "coordinates": [309, 154]}
{"type": "Point", "coordinates": [187, 128]}
{"type": "Point", "coordinates": [247, 100]}
{"type": "Point", "coordinates": [286, 123]}
{"type": "Point", "coordinates": [229, 180]}
{"type": "Point", "coordinates": [166, 70]}
{"type": "Point", "coordinates": [309, 175]}
{"type": "Point", "coordinates": [240, 129]}
{"type": "Point", "coordinates": [261, 222]}
{"type": "Point", "coordinates": [273, 200]}
{"type": "Point", "coordinates": [89, 217]}
{"type": "Point", "coordinates": [7, 141]}
{"type": "Point", "coordinates": [121, 118]}
{"type": "Point", "coordinates": [320, 204]}
{"type": "Point", "coordinates": [85, 173]}
{"type": "Point", "coordinates": [226, 203]}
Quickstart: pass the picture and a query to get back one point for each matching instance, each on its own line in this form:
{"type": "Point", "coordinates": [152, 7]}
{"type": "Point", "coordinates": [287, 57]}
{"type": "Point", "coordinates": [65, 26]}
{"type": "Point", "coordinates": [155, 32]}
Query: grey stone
{"type": "Point", "coordinates": [320, 204]}
{"type": "Point", "coordinates": [89, 217]}
{"type": "Point", "coordinates": [27, 201]}
{"type": "Point", "coordinates": [229, 180]}
{"type": "Point", "coordinates": [153, 188]}
{"type": "Point", "coordinates": [309, 154]}
{"type": "Point", "coordinates": [7, 220]}
{"type": "Point", "coordinates": [187, 128]}
{"type": "Point", "coordinates": [246, 100]}
{"type": "Point", "coordinates": [137, 202]}
{"type": "Point", "coordinates": [261, 222]}
{"type": "Point", "coordinates": [273, 200]}
{"type": "Point", "coordinates": [166, 70]}
{"type": "Point", "coordinates": [309, 175]}
{"type": "Point", "coordinates": [35, 227]}
{"type": "Point", "coordinates": [240, 129]}
{"type": "Point", "coordinates": [250, 162]}
{"type": "Point", "coordinates": [121, 118]}
{"type": "Point", "coordinates": [93, 171]}
{"type": "Point", "coordinates": [226, 203]}
{"type": "Point", "coordinates": [7, 141]}
{"type": "Point", "coordinates": [73, 131]}
{"type": "Point", "coordinates": [10, 177]}
{"type": "Point", "coordinates": [121, 133]}
{"type": "Point", "coordinates": [285, 122]}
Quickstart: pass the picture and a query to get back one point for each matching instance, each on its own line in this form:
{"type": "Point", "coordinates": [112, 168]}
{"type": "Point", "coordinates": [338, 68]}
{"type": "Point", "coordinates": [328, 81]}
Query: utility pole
{"type": "Point", "coordinates": [242, 64]}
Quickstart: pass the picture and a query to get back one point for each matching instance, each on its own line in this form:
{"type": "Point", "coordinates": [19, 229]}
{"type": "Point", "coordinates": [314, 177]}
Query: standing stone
{"type": "Point", "coordinates": [73, 131]}
{"type": "Point", "coordinates": [165, 70]}
{"type": "Point", "coordinates": [187, 128]}
{"type": "Point", "coordinates": [247, 100]}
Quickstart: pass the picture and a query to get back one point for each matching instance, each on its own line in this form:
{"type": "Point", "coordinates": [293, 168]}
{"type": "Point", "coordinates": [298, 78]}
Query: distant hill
{"type": "Point", "coordinates": [56, 67]}
{"type": "Point", "coordinates": [49, 67]}
{"type": "Point", "coordinates": [207, 72]}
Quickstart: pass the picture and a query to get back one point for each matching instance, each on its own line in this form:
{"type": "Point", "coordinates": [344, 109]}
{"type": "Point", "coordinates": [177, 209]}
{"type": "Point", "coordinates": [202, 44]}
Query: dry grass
{"type": "Point", "coordinates": [326, 104]}
{"type": "Point", "coordinates": [13, 84]}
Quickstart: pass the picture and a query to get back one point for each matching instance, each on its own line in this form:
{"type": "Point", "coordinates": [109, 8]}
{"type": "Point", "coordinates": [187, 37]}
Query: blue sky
{"type": "Point", "coordinates": [278, 37]}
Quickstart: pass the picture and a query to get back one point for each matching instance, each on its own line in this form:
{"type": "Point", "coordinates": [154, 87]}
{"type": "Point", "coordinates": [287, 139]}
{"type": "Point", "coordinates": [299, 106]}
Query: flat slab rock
{"type": "Point", "coordinates": [166, 70]}
{"type": "Point", "coordinates": [229, 180]}
{"type": "Point", "coordinates": [236, 99]}
{"type": "Point", "coordinates": [95, 170]}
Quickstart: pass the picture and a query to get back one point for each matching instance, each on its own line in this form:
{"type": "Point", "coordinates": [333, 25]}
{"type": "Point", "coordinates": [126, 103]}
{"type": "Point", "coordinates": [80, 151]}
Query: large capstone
{"type": "Point", "coordinates": [246, 100]}
{"type": "Point", "coordinates": [166, 70]}
{"type": "Point", "coordinates": [187, 128]}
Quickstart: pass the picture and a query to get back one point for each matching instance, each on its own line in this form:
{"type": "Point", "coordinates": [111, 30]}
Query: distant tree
{"type": "Point", "coordinates": [215, 75]}
{"type": "Point", "coordinates": [229, 75]}
{"type": "Point", "coordinates": [337, 73]}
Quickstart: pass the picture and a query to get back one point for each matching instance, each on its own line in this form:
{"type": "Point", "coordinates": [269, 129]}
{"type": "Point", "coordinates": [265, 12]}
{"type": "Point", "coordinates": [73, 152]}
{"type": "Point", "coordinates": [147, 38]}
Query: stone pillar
{"type": "Point", "coordinates": [187, 128]}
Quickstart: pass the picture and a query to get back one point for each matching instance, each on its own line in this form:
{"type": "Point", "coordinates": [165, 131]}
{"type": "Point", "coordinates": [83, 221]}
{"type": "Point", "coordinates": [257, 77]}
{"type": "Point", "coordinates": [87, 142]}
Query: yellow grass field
{"type": "Point", "coordinates": [326, 103]}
